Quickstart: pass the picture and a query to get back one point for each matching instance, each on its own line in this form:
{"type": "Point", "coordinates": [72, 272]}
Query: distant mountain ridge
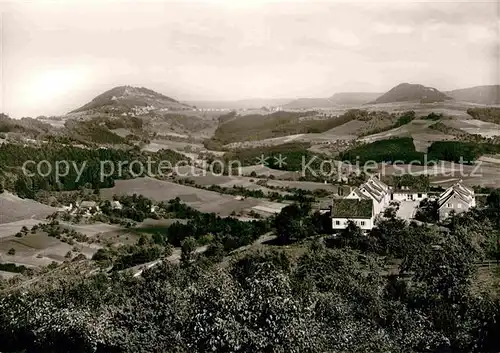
{"type": "Point", "coordinates": [124, 99]}
{"type": "Point", "coordinates": [338, 99]}
{"type": "Point", "coordinates": [479, 94]}
{"type": "Point", "coordinates": [353, 98]}
{"type": "Point", "coordinates": [250, 103]}
{"type": "Point", "coordinates": [408, 92]}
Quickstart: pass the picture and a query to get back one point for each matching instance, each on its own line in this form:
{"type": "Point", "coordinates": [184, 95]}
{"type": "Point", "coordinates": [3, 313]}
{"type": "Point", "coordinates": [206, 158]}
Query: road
{"type": "Point", "coordinates": [174, 258]}
{"type": "Point", "coordinates": [407, 209]}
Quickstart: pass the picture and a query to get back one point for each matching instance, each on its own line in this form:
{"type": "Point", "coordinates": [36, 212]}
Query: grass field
{"type": "Point", "coordinates": [92, 229]}
{"type": "Point", "coordinates": [202, 200]}
{"type": "Point", "coordinates": [474, 126]}
{"type": "Point", "coordinates": [38, 249]}
{"type": "Point", "coordinates": [13, 208]}
{"type": "Point", "coordinates": [251, 183]}
{"type": "Point", "coordinates": [11, 228]}
{"type": "Point", "coordinates": [422, 135]}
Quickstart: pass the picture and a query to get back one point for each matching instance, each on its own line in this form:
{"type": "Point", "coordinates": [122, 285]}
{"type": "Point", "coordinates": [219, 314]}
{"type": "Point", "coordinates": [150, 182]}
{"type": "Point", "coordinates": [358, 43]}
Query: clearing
{"type": "Point", "coordinates": [202, 200]}
{"type": "Point", "coordinates": [14, 208]}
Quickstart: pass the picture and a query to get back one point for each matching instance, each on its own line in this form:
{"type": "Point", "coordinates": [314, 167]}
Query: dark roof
{"type": "Point", "coordinates": [352, 208]}
{"type": "Point", "coordinates": [325, 204]}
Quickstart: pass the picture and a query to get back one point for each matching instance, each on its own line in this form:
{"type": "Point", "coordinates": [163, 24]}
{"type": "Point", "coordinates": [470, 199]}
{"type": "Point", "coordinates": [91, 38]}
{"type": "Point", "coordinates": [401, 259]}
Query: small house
{"type": "Point", "coordinates": [87, 207]}
{"type": "Point", "coordinates": [457, 198]}
{"type": "Point", "coordinates": [405, 193]}
{"type": "Point", "coordinates": [361, 212]}
{"type": "Point", "coordinates": [372, 189]}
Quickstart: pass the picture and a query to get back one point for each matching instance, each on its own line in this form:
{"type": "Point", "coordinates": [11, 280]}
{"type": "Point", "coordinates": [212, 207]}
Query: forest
{"type": "Point", "coordinates": [13, 157]}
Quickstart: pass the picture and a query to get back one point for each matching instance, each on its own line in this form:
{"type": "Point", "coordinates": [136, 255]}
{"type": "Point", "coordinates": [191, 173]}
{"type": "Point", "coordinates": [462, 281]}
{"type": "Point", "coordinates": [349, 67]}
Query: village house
{"type": "Point", "coordinates": [457, 198]}
{"type": "Point", "coordinates": [372, 189]}
{"type": "Point", "coordinates": [359, 211]}
{"type": "Point", "coordinates": [405, 193]}
{"type": "Point", "coordinates": [116, 205]}
{"type": "Point", "coordinates": [87, 208]}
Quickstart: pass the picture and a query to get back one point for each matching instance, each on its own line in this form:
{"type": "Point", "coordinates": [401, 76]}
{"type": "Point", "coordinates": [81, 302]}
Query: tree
{"type": "Point", "coordinates": [11, 251]}
{"type": "Point", "coordinates": [493, 199]}
{"type": "Point", "coordinates": [291, 223]}
{"type": "Point", "coordinates": [188, 247]}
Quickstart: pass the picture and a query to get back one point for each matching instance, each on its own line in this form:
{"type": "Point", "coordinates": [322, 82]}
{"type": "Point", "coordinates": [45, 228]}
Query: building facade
{"type": "Point", "coordinates": [373, 189]}
{"type": "Point", "coordinates": [407, 194]}
{"type": "Point", "coordinates": [358, 211]}
{"type": "Point", "coordinates": [457, 198]}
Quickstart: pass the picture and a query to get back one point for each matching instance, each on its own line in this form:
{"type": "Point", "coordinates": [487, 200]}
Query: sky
{"type": "Point", "coordinates": [58, 55]}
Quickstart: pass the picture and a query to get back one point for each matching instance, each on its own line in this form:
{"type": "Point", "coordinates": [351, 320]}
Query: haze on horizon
{"type": "Point", "coordinates": [58, 56]}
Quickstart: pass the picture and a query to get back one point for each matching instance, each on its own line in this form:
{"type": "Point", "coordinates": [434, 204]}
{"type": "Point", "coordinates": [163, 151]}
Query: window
{"type": "Point", "coordinates": [419, 196]}
{"type": "Point", "coordinates": [449, 205]}
{"type": "Point", "coordinates": [459, 205]}
{"type": "Point", "coordinates": [362, 223]}
{"type": "Point", "coordinates": [337, 223]}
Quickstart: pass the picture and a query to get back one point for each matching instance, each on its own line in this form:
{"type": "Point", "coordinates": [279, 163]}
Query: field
{"type": "Point", "coordinates": [202, 200]}
{"type": "Point", "coordinates": [11, 228]}
{"type": "Point", "coordinates": [158, 144]}
{"type": "Point", "coordinates": [93, 229]}
{"type": "Point", "coordinates": [422, 135]}
{"type": "Point", "coordinates": [14, 208]}
{"type": "Point", "coordinates": [447, 173]}
{"type": "Point", "coordinates": [456, 112]}
{"type": "Point", "coordinates": [251, 183]}
{"type": "Point", "coordinates": [474, 126]}
{"type": "Point", "coordinates": [33, 250]}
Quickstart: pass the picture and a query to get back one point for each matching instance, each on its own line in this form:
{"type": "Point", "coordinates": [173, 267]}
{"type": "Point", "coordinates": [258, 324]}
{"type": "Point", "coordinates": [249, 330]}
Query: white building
{"type": "Point", "coordinates": [457, 198]}
{"type": "Point", "coordinates": [405, 193]}
{"type": "Point", "coordinates": [375, 190]}
{"type": "Point", "coordinates": [361, 212]}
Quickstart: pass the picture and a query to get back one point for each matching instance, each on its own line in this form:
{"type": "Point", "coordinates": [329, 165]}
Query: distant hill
{"type": "Point", "coordinates": [140, 111]}
{"type": "Point", "coordinates": [251, 103]}
{"type": "Point", "coordinates": [307, 103]}
{"type": "Point", "coordinates": [125, 99]}
{"type": "Point", "coordinates": [338, 99]}
{"type": "Point", "coordinates": [407, 92]}
{"type": "Point", "coordinates": [27, 126]}
{"type": "Point", "coordinates": [354, 98]}
{"type": "Point", "coordinates": [479, 94]}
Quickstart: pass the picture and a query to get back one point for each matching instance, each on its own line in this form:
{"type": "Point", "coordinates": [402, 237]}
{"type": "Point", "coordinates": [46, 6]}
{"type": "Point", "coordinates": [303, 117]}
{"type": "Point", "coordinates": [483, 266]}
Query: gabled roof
{"type": "Point", "coordinates": [88, 204]}
{"type": "Point", "coordinates": [352, 208]}
{"type": "Point", "coordinates": [458, 190]}
{"type": "Point", "coordinates": [375, 188]}
{"type": "Point", "coordinates": [356, 193]}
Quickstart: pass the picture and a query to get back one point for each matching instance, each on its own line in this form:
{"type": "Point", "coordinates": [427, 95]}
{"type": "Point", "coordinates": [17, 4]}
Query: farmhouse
{"type": "Point", "coordinates": [457, 198]}
{"type": "Point", "coordinates": [88, 205]}
{"type": "Point", "coordinates": [405, 193]}
{"type": "Point", "coordinates": [372, 189]}
{"type": "Point", "coordinates": [86, 208]}
{"type": "Point", "coordinates": [359, 211]}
